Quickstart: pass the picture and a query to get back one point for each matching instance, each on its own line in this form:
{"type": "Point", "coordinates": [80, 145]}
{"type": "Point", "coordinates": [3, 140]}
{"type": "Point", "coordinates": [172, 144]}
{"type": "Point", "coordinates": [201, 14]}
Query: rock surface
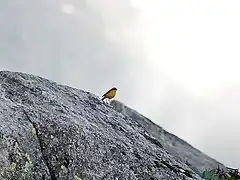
{"type": "Point", "coordinates": [177, 147]}
{"type": "Point", "coordinates": [50, 131]}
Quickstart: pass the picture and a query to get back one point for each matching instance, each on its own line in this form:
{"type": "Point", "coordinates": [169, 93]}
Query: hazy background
{"type": "Point", "coordinates": [176, 62]}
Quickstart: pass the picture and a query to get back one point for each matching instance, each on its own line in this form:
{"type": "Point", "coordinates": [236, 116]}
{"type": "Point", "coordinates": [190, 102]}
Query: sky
{"type": "Point", "coordinates": [175, 62]}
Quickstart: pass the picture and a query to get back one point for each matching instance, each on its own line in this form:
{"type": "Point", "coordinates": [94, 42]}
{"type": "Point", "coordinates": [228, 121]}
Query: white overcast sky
{"type": "Point", "coordinates": [195, 46]}
{"type": "Point", "coordinates": [188, 77]}
{"type": "Point", "coordinates": [176, 62]}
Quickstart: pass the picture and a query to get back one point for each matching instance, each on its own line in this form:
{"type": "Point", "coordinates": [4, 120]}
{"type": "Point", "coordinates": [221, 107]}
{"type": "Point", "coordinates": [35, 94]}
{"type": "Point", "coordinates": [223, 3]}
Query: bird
{"type": "Point", "coordinates": [109, 94]}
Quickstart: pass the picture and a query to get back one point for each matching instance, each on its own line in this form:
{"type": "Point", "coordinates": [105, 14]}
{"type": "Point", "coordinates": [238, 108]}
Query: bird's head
{"type": "Point", "coordinates": [114, 88]}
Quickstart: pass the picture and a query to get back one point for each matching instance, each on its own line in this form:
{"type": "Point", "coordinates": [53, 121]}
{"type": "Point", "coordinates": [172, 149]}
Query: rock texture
{"type": "Point", "coordinates": [50, 131]}
{"type": "Point", "coordinates": [177, 147]}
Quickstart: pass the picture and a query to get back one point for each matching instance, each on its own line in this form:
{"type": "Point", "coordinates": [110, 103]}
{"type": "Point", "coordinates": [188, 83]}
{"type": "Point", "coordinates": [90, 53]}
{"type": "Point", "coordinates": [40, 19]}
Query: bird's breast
{"type": "Point", "coordinates": [111, 94]}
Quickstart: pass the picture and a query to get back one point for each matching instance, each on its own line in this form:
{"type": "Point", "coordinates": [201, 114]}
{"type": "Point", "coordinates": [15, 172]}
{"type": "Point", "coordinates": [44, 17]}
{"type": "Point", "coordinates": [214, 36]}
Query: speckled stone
{"type": "Point", "coordinates": [54, 132]}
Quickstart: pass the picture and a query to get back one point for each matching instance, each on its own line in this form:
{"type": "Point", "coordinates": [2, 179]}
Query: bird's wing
{"type": "Point", "coordinates": [106, 93]}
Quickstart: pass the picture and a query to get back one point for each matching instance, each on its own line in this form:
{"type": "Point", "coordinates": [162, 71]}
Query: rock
{"type": "Point", "coordinates": [177, 147]}
{"type": "Point", "coordinates": [50, 131]}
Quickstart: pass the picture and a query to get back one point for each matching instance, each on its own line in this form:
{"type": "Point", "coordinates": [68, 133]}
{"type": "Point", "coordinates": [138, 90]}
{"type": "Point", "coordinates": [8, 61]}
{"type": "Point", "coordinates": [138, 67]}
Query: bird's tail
{"type": "Point", "coordinates": [103, 98]}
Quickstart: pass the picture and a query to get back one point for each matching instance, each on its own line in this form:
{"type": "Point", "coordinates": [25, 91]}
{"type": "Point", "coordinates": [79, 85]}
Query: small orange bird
{"type": "Point", "coordinates": [110, 94]}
